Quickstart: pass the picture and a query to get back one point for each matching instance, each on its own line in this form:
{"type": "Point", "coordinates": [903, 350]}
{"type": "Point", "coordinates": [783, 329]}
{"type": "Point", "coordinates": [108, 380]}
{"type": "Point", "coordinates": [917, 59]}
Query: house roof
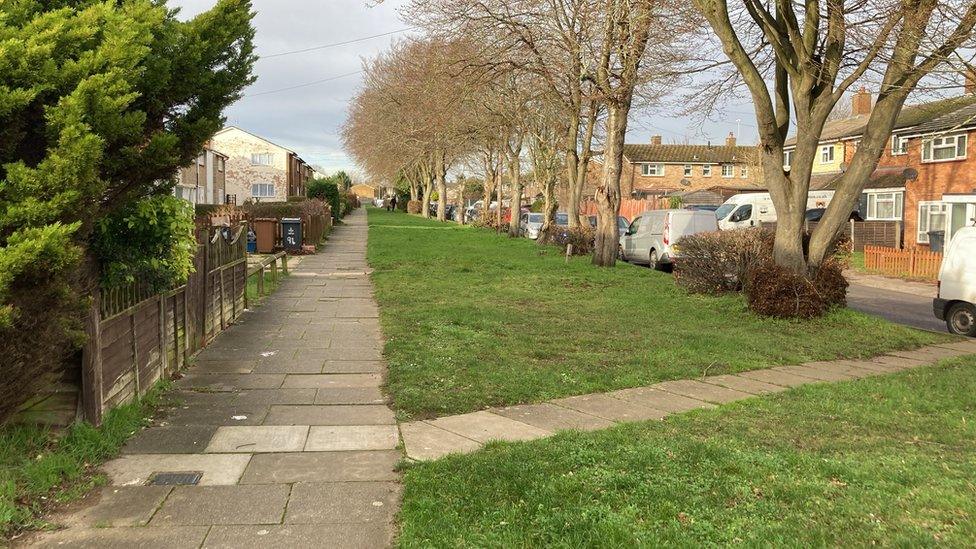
{"type": "Point", "coordinates": [959, 118]}
{"type": "Point", "coordinates": [882, 178]}
{"type": "Point", "coordinates": [256, 136]}
{"type": "Point", "coordinates": [688, 154]}
{"type": "Point", "coordinates": [921, 114]}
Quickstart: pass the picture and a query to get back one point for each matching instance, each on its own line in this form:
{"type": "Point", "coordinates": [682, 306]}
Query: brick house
{"type": "Point", "coordinates": [260, 170]}
{"type": "Point", "coordinates": [203, 181]}
{"type": "Point", "coordinates": [924, 177]}
{"type": "Point", "coordinates": [699, 174]}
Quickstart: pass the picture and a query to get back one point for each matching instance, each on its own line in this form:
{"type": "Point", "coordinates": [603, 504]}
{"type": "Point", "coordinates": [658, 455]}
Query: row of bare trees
{"type": "Point", "coordinates": [517, 89]}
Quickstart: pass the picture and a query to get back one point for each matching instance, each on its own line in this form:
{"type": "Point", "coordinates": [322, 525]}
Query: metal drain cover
{"type": "Point", "coordinates": [175, 479]}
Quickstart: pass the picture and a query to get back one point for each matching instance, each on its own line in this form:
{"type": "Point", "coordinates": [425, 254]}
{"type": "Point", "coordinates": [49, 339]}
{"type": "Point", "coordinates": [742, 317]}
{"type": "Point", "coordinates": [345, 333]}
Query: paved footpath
{"type": "Point", "coordinates": [426, 440]}
{"type": "Point", "coordinates": [282, 418]}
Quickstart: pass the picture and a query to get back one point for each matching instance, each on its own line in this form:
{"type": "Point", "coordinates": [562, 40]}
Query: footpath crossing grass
{"type": "Point", "coordinates": [474, 319]}
{"type": "Point", "coordinates": [880, 461]}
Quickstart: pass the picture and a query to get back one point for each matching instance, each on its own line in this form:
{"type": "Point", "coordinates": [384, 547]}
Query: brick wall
{"type": "Point", "coordinates": [240, 174]}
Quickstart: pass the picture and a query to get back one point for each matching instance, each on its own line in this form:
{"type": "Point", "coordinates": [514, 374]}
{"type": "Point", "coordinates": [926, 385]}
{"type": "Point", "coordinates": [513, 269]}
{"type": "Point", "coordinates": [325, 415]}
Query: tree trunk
{"type": "Point", "coordinates": [515, 174]}
{"type": "Point", "coordinates": [440, 175]}
{"type": "Point", "coordinates": [572, 169]}
{"type": "Point", "coordinates": [499, 193]}
{"type": "Point", "coordinates": [414, 192]}
{"type": "Point", "coordinates": [425, 204]}
{"type": "Point", "coordinates": [608, 193]}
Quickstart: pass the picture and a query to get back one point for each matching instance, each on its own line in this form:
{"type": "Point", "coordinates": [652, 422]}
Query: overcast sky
{"type": "Point", "coordinates": [306, 119]}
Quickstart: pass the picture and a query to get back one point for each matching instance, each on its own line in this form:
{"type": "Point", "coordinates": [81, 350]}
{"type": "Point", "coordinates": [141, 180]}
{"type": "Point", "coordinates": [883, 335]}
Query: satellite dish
{"type": "Point", "coordinates": [910, 173]}
{"type": "Point", "coordinates": [686, 182]}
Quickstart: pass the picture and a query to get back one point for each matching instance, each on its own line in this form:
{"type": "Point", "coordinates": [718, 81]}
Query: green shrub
{"type": "Point", "coordinates": [277, 210]}
{"type": "Point", "coordinates": [349, 203]}
{"type": "Point", "coordinates": [327, 190]}
{"type": "Point", "coordinates": [150, 240]}
{"type": "Point", "coordinates": [537, 206]}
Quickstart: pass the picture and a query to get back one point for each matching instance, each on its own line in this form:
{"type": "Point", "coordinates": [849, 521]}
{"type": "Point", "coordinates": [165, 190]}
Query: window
{"type": "Point", "coordinates": [728, 170]}
{"type": "Point", "coordinates": [744, 171]}
{"type": "Point", "coordinates": [220, 164]}
{"type": "Point", "coordinates": [655, 170]}
{"type": "Point", "coordinates": [744, 213]}
{"type": "Point", "coordinates": [262, 159]}
{"type": "Point", "coordinates": [899, 145]}
{"type": "Point", "coordinates": [202, 160]}
{"type": "Point", "coordinates": [262, 190]}
{"type": "Point", "coordinates": [827, 154]}
{"type": "Point", "coordinates": [931, 217]}
{"type": "Point", "coordinates": [787, 159]}
{"type": "Point", "coordinates": [885, 206]}
{"type": "Point", "coordinates": [949, 147]}
{"type": "Point", "coordinates": [707, 170]}
{"type": "Point", "coordinates": [688, 169]}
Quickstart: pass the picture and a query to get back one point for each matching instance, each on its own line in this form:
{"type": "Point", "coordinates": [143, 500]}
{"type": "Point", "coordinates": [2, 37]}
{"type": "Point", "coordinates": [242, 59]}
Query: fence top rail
{"type": "Point", "coordinates": [216, 236]}
{"type": "Point", "coordinates": [265, 262]}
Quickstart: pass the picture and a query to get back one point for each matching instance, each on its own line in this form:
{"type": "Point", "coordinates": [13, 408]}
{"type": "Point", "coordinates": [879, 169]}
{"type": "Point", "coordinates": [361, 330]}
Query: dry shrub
{"type": "Point", "coordinates": [582, 238]}
{"type": "Point", "coordinates": [414, 206]}
{"type": "Point", "coordinates": [778, 292]}
{"type": "Point", "coordinates": [719, 262]}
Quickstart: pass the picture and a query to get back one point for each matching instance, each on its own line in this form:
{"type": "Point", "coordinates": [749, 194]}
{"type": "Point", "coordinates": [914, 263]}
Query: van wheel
{"type": "Point", "coordinates": [654, 261]}
{"type": "Point", "coordinates": [962, 319]}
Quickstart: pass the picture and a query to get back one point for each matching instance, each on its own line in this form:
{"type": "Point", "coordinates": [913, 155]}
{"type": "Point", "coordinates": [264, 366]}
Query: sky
{"type": "Point", "coordinates": [307, 118]}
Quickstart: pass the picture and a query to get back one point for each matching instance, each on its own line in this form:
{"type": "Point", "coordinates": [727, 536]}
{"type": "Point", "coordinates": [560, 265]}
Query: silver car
{"type": "Point", "coordinates": [530, 224]}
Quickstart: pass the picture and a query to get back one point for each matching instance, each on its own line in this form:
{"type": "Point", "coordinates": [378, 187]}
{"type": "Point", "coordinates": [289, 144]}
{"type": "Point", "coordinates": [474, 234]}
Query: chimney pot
{"type": "Point", "coordinates": [861, 103]}
{"type": "Point", "coordinates": [730, 140]}
{"type": "Point", "coordinates": [655, 140]}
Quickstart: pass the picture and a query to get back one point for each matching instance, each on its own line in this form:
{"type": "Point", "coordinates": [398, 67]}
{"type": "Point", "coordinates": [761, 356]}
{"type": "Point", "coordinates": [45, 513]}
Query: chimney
{"type": "Point", "coordinates": [730, 140]}
{"type": "Point", "coordinates": [861, 103]}
{"type": "Point", "coordinates": [969, 79]}
{"type": "Point", "coordinates": [655, 140]}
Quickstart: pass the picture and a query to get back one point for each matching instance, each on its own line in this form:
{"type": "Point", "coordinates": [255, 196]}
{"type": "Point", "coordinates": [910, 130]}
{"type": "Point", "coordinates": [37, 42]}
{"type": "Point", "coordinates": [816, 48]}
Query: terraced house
{"type": "Point", "coordinates": [698, 174]}
{"type": "Point", "coordinates": [260, 170]}
{"type": "Point", "coordinates": [925, 178]}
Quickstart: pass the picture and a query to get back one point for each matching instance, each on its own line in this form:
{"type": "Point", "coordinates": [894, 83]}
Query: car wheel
{"type": "Point", "coordinates": [653, 260]}
{"type": "Point", "coordinates": [962, 319]}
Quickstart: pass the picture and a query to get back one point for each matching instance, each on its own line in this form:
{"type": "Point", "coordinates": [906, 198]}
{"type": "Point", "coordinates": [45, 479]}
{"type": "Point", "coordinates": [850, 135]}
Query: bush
{"type": "Point", "coordinates": [328, 191]}
{"type": "Point", "coordinates": [414, 206]}
{"type": "Point", "coordinates": [349, 202]}
{"type": "Point", "coordinates": [778, 292]}
{"type": "Point", "coordinates": [537, 206]}
{"type": "Point", "coordinates": [719, 262]}
{"type": "Point", "coordinates": [273, 209]}
{"type": "Point", "coordinates": [582, 238]}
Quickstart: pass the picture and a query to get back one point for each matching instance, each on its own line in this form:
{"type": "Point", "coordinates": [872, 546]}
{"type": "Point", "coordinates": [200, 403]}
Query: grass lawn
{"type": "Point", "coordinates": [39, 466]}
{"type": "Point", "coordinates": [881, 461]}
{"type": "Point", "coordinates": [270, 285]}
{"type": "Point", "coordinates": [474, 319]}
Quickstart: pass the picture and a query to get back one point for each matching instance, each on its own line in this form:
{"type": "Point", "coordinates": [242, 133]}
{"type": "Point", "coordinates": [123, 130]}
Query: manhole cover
{"type": "Point", "coordinates": [175, 479]}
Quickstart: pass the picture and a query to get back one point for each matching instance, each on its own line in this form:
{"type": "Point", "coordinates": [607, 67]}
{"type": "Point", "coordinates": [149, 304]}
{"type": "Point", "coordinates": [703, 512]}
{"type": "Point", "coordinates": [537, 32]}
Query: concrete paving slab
{"type": "Point", "coordinates": [553, 418]}
{"type": "Point", "coordinates": [350, 395]}
{"type": "Point", "coordinates": [116, 506]}
{"type": "Point", "coordinates": [930, 354]}
{"type": "Point", "coordinates": [777, 377]}
{"type": "Point", "coordinates": [966, 346]}
{"type": "Point", "coordinates": [318, 536]}
{"type": "Point", "coordinates": [332, 381]}
{"type": "Point", "coordinates": [230, 382]}
{"type": "Point", "coordinates": [897, 363]}
{"type": "Point", "coordinates": [611, 408]}
{"type": "Point", "coordinates": [338, 438]}
{"type": "Point", "coordinates": [342, 502]}
{"type": "Point", "coordinates": [125, 538]}
{"type": "Point", "coordinates": [701, 391]}
{"type": "Point", "coordinates": [275, 396]}
{"type": "Point", "coordinates": [424, 442]}
{"type": "Point", "coordinates": [660, 400]}
{"type": "Point", "coordinates": [289, 366]}
{"type": "Point", "coordinates": [484, 426]}
{"type": "Point", "coordinates": [135, 470]}
{"type": "Point", "coordinates": [254, 439]}
{"type": "Point", "coordinates": [224, 366]}
{"type": "Point", "coordinates": [214, 415]}
{"type": "Point", "coordinates": [744, 384]}
{"type": "Point", "coordinates": [205, 505]}
{"type": "Point", "coordinates": [844, 368]}
{"type": "Point", "coordinates": [183, 439]}
{"type": "Point", "coordinates": [356, 414]}
{"type": "Point", "coordinates": [352, 367]}
{"type": "Point", "coordinates": [812, 371]}
{"type": "Point", "coordinates": [377, 465]}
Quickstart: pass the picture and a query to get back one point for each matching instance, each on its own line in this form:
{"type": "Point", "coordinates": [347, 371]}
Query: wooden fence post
{"type": "Point", "coordinates": [284, 264]}
{"type": "Point", "coordinates": [163, 352]}
{"type": "Point", "coordinates": [898, 235]}
{"type": "Point", "coordinates": [91, 363]}
{"type": "Point", "coordinates": [261, 281]}
{"type": "Point", "coordinates": [135, 351]}
{"type": "Point", "coordinates": [220, 273]}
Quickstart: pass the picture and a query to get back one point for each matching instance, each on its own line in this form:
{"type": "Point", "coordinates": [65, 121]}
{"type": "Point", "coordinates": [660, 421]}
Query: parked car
{"type": "Point", "coordinates": [816, 214]}
{"type": "Point", "coordinates": [622, 224]}
{"type": "Point", "coordinates": [956, 300]}
{"type": "Point", "coordinates": [652, 236]}
{"type": "Point", "coordinates": [530, 224]}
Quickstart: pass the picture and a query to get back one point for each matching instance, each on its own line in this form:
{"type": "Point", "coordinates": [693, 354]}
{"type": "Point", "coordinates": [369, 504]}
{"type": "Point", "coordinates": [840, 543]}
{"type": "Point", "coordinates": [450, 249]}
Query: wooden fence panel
{"type": "Point", "coordinates": [864, 233]}
{"type": "Point", "coordinates": [912, 263]}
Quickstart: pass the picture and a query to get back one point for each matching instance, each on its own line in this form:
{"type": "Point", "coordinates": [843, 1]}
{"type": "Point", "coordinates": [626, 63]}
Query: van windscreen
{"type": "Point", "coordinates": [724, 210]}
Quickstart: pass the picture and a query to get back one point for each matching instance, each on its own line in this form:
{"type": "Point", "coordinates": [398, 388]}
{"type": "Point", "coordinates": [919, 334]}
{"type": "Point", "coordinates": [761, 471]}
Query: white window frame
{"type": "Point", "coordinates": [895, 198]}
{"type": "Point", "coordinates": [220, 164]}
{"type": "Point", "coordinates": [262, 159]}
{"type": "Point", "coordinates": [925, 210]}
{"type": "Point", "coordinates": [954, 142]}
{"type": "Point", "coordinates": [827, 154]}
{"type": "Point", "coordinates": [652, 170]}
{"type": "Point", "coordinates": [262, 187]}
{"type": "Point", "coordinates": [899, 145]}
{"type": "Point", "coordinates": [689, 170]}
{"type": "Point", "coordinates": [728, 171]}
{"type": "Point", "coordinates": [787, 159]}
{"type": "Point", "coordinates": [707, 170]}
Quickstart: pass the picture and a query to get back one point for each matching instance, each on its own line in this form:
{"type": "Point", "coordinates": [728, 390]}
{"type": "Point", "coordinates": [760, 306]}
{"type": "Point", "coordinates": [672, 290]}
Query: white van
{"type": "Point", "coordinates": [956, 302]}
{"type": "Point", "coordinates": [752, 209]}
{"type": "Point", "coordinates": [651, 238]}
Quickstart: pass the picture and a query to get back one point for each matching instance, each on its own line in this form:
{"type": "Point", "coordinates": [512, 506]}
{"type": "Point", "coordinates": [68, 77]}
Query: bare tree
{"type": "Point", "coordinates": [798, 60]}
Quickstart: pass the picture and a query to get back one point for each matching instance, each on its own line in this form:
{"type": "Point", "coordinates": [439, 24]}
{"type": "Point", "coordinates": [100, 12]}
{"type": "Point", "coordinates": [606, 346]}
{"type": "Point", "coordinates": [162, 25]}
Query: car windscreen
{"type": "Point", "coordinates": [562, 219]}
{"type": "Point", "coordinates": [622, 223]}
{"type": "Point", "coordinates": [535, 218]}
{"type": "Point", "coordinates": [724, 210]}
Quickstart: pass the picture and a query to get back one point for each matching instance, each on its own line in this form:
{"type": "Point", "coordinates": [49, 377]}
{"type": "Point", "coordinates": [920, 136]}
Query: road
{"type": "Point", "coordinates": [898, 307]}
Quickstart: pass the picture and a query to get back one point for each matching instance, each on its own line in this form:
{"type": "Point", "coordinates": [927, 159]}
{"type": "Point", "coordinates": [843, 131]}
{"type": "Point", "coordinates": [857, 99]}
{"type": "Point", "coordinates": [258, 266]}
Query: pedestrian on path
{"type": "Point", "coordinates": [393, 202]}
